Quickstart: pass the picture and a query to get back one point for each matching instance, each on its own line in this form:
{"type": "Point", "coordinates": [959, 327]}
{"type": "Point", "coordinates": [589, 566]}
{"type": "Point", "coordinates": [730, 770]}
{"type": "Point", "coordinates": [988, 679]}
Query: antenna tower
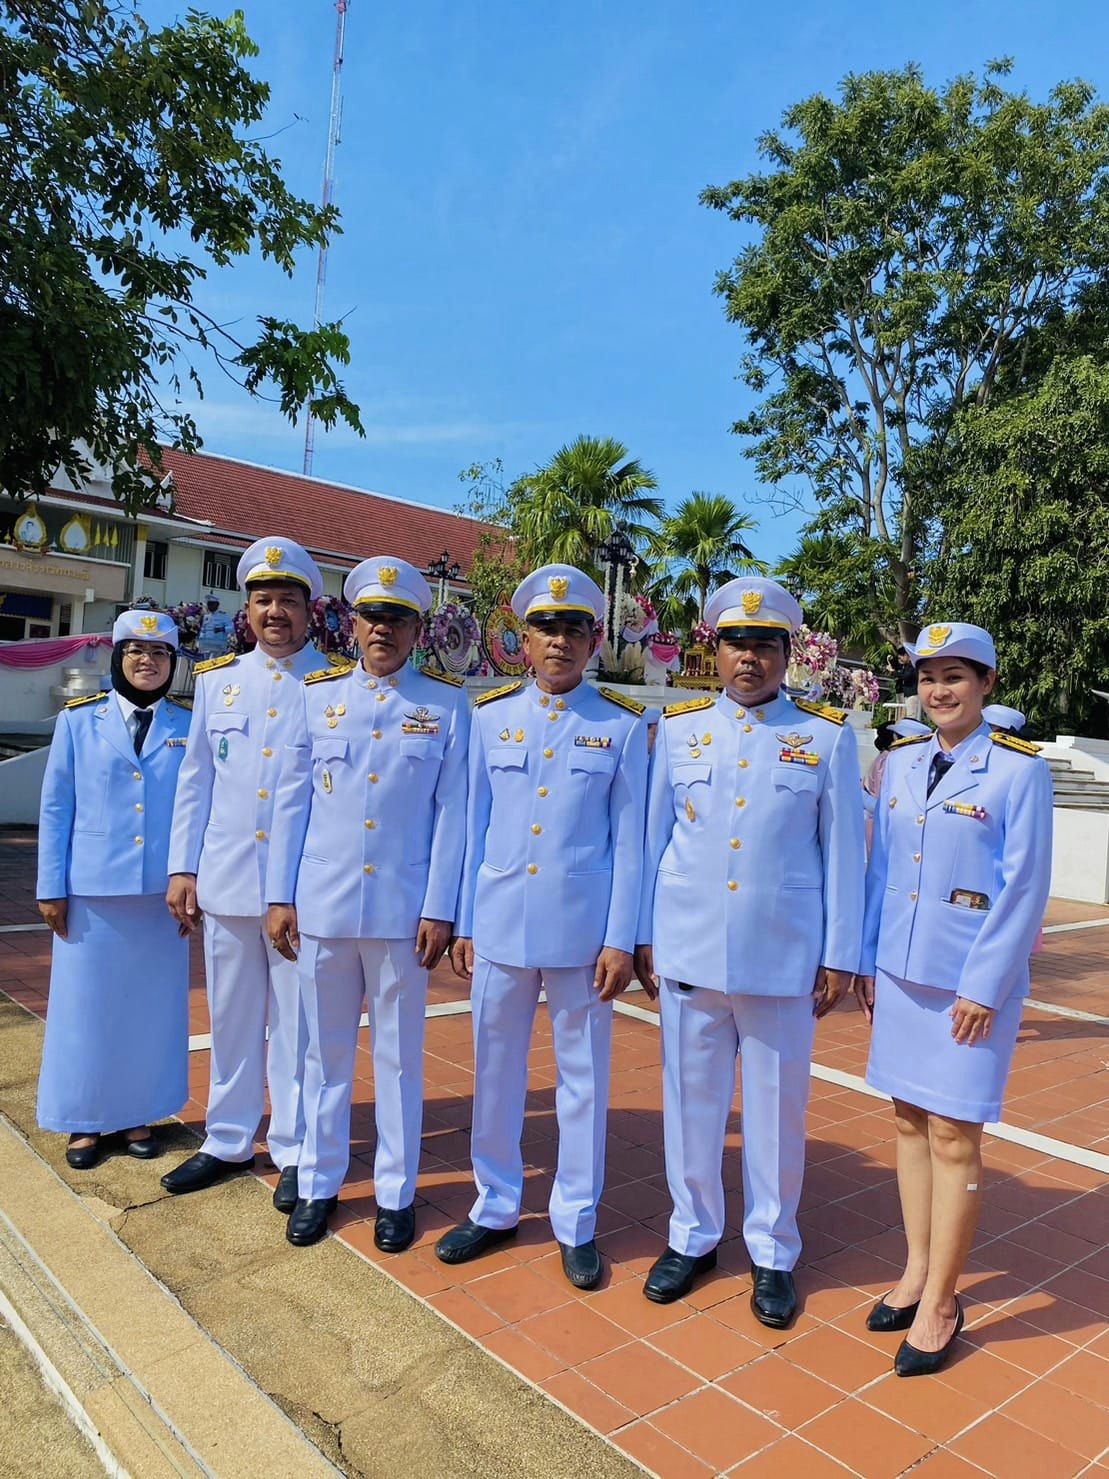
{"type": "Point", "coordinates": [334, 139]}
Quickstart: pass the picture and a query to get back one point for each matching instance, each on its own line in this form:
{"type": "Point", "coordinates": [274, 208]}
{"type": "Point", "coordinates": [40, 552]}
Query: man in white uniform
{"type": "Point", "coordinates": [242, 710]}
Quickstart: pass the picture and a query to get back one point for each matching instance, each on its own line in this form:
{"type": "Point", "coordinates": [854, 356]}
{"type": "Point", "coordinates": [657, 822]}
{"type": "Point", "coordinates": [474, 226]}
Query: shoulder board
{"type": "Point", "coordinates": [493, 693]}
{"type": "Point", "coordinates": [632, 705]}
{"type": "Point", "coordinates": [181, 703]}
{"type": "Point", "coordinates": [690, 706]}
{"type": "Point", "coordinates": [215, 662]}
{"type": "Point", "coordinates": [822, 711]}
{"type": "Point", "coordinates": [1014, 742]}
{"type": "Point", "coordinates": [910, 739]}
{"type": "Point", "coordinates": [443, 677]}
{"type": "Point", "coordinates": [337, 660]}
{"type": "Point", "coordinates": [87, 698]}
{"type": "Point", "coordinates": [325, 675]}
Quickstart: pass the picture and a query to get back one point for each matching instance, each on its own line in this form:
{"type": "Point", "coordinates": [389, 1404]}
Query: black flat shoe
{"type": "Point", "coordinates": [394, 1229]}
{"type": "Point", "coordinates": [146, 1149]}
{"type": "Point", "coordinates": [200, 1171]}
{"type": "Point", "coordinates": [911, 1362]}
{"type": "Point", "coordinates": [674, 1274]}
{"type": "Point", "coordinates": [308, 1220]}
{"type": "Point", "coordinates": [582, 1265]}
{"type": "Point", "coordinates": [884, 1317]}
{"type": "Point", "coordinates": [774, 1297]}
{"type": "Point", "coordinates": [85, 1156]}
{"type": "Point", "coordinates": [468, 1240]}
{"type": "Point", "coordinates": [285, 1195]}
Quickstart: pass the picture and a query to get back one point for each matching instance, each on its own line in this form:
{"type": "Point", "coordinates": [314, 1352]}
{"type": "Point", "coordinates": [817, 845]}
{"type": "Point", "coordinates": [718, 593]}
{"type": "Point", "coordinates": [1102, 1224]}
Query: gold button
{"type": "Point", "coordinates": [759, 714]}
{"type": "Point", "coordinates": [542, 791]}
{"type": "Point", "coordinates": [741, 713]}
{"type": "Point", "coordinates": [263, 793]}
{"type": "Point", "coordinates": [261, 836]}
{"type": "Point", "coordinates": [272, 713]}
{"type": "Point", "coordinates": [913, 894]}
{"type": "Point", "coordinates": [270, 663]}
{"type": "Point", "coordinates": [368, 868]}
{"type": "Point", "coordinates": [544, 702]}
{"type": "Point", "coordinates": [533, 868]}
{"type": "Point", "coordinates": [743, 764]}
{"type": "Point", "coordinates": [392, 682]}
{"type": "Point", "coordinates": [138, 806]}
{"type": "Point", "coordinates": [916, 857]}
{"type": "Point", "coordinates": [559, 704]}
{"type": "Point", "coordinates": [732, 885]}
{"type": "Point", "coordinates": [376, 733]}
{"type": "Point", "coordinates": [747, 729]}
{"type": "Point", "coordinates": [536, 828]}
{"type": "Point", "coordinates": [373, 778]}
{"type": "Point", "coordinates": [370, 825]}
{"type": "Point", "coordinates": [920, 821]}
{"type": "Point", "coordinates": [552, 717]}
{"type": "Point", "coordinates": [136, 775]}
{"type": "Point", "coordinates": [548, 754]}
{"type": "Point", "coordinates": [740, 801]}
{"type": "Point", "coordinates": [266, 751]}
{"type": "Point", "coordinates": [138, 839]}
{"type": "Point", "coordinates": [372, 683]}
{"type": "Point", "coordinates": [735, 844]}
{"type": "Point", "coordinates": [277, 677]}
{"type": "Point", "coordinates": [382, 697]}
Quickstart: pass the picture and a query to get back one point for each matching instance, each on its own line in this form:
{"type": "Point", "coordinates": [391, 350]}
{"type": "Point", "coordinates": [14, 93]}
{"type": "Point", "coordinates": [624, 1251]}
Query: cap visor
{"type": "Point", "coordinates": [572, 614]}
{"type": "Point", "coordinates": [278, 577]}
{"type": "Point", "coordinates": [732, 633]}
{"type": "Point", "coordinates": [380, 607]}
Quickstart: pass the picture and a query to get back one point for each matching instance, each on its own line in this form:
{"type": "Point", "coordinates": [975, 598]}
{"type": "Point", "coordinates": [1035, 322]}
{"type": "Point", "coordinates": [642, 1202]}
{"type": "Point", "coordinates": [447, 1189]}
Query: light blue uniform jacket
{"type": "Point", "coordinates": [755, 866]}
{"type": "Point", "coordinates": [243, 712]}
{"type": "Point", "coordinates": [105, 813]}
{"type": "Point", "coordinates": [554, 851]}
{"type": "Point", "coordinates": [925, 850]}
{"type": "Point", "coordinates": [369, 825]}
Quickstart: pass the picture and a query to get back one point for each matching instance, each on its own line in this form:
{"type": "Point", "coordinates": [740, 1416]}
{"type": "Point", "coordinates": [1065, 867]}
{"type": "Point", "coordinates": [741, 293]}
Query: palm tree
{"type": "Point", "coordinates": [565, 510]}
{"type": "Point", "coordinates": [699, 546]}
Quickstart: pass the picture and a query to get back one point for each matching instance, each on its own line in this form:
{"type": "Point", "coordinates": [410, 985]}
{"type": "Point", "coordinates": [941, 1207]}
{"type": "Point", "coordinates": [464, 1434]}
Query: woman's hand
{"type": "Point", "coordinates": [55, 912]}
{"type": "Point", "coordinates": [863, 987]}
{"type": "Point", "coordinates": [971, 1022]}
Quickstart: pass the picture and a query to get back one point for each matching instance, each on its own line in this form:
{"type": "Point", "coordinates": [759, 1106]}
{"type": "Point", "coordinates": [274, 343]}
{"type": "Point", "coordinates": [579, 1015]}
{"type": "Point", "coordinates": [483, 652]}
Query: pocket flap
{"type": "Point", "coordinates": [508, 757]}
{"type": "Point", "coordinates": [422, 746]}
{"type": "Point", "coordinates": [334, 747]}
{"type": "Point", "coordinates": [797, 777]}
{"type": "Point", "coordinates": [599, 762]}
{"type": "Point", "coordinates": [228, 719]}
{"type": "Point", "coordinates": [686, 772]}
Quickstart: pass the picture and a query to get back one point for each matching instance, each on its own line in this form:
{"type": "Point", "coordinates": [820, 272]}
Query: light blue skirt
{"type": "Point", "coordinates": [913, 1056]}
{"type": "Point", "coordinates": [116, 1052]}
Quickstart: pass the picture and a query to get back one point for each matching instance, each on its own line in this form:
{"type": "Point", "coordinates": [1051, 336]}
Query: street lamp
{"type": "Point", "coordinates": [444, 570]}
{"type": "Point", "coordinates": [617, 555]}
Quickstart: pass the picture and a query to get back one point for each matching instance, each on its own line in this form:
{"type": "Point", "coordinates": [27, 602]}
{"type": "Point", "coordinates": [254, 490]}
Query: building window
{"type": "Point", "coordinates": [219, 572]}
{"type": "Point", "coordinates": [154, 564]}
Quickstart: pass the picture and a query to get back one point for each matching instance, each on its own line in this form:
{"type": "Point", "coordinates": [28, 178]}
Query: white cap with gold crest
{"type": "Point", "coordinates": [953, 639]}
{"type": "Point", "coordinates": [385, 584]}
{"type": "Point", "coordinates": [752, 604]}
{"type": "Point", "coordinates": [145, 626]}
{"type": "Point", "coordinates": [275, 558]}
{"type": "Point", "coordinates": [555, 591]}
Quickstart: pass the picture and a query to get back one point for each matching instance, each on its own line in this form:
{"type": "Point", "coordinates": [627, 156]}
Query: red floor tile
{"type": "Point", "coordinates": [641, 1378]}
{"type": "Point", "coordinates": [715, 1428]}
{"type": "Point", "coordinates": [865, 1440]}
{"type": "Point", "coordinates": [1009, 1450]}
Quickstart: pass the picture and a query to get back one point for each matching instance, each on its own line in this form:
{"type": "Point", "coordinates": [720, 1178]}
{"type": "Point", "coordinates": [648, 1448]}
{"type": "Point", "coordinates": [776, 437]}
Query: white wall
{"type": "Point", "coordinates": [20, 785]}
{"type": "Point", "coordinates": [1080, 855]}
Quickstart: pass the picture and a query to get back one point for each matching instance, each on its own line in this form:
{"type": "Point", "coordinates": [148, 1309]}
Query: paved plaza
{"type": "Point", "coordinates": [698, 1387]}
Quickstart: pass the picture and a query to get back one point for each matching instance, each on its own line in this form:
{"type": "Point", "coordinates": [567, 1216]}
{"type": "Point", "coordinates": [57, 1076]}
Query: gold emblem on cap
{"type": "Point", "coordinates": [274, 555]}
{"type": "Point", "coordinates": [387, 574]}
{"type": "Point", "coordinates": [937, 636]}
{"type": "Point", "coordinates": [752, 600]}
{"type": "Point", "coordinates": [148, 623]}
{"type": "Point", "coordinates": [559, 585]}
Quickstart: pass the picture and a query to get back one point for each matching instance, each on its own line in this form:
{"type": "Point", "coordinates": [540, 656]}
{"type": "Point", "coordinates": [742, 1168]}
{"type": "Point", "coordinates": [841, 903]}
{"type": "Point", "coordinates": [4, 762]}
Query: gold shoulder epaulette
{"type": "Point", "coordinates": [493, 693]}
{"type": "Point", "coordinates": [182, 703]}
{"type": "Point", "coordinates": [337, 660]}
{"type": "Point", "coordinates": [690, 706]}
{"type": "Point", "coordinates": [823, 711]}
{"type": "Point", "coordinates": [215, 662]}
{"type": "Point", "coordinates": [325, 675]}
{"type": "Point", "coordinates": [1014, 742]}
{"type": "Point", "coordinates": [86, 698]}
{"type": "Point", "coordinates": [910, 739]}
{"type": "Point", "coordinates": [632, 705]}
{"type": "Point", "coordinates": [443, 677]}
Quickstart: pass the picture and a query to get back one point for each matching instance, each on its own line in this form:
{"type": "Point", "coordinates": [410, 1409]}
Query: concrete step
{"type": "Point", "coordinates": [1083, 803]}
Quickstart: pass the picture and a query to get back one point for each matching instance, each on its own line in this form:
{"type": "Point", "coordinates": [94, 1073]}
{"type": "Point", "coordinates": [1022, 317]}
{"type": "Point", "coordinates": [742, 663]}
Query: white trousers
{"type": "Point", "coordinates": [335, 977]}
{"type": "Point", "coordinates": [504, 999]}
{"type": "Point", "coordinates": [702, 1032]}
{"type": "Point", "coordinates": [249, 984]}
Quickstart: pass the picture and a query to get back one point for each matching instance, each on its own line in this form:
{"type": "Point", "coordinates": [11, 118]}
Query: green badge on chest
{"type": "Point", "coordinates": [222, 750]}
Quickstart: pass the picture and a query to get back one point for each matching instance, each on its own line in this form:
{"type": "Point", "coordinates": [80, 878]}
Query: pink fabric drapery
{"type": "Point", "coordinates": [44, 652]}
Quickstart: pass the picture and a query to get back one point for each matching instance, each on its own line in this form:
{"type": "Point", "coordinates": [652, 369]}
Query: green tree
{"type": "Point", "coordinates": [696, 548]}
{"type": "Point", "coordinates": [125, 170]}
{"type": "Point", "coordinates": [497, 567]}
{"type": "Point", "coordinates": [832, 574]}
{"type": "Point", "coordinates": [910, 242]}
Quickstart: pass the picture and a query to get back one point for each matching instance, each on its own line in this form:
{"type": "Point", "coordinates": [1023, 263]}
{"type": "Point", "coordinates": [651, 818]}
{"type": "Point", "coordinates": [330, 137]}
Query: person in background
{"type": "Point", "coordinates": [956, 889]}
{"type": "Point", "coordinates": [1004, 719]}
{"type": "Point", "coordinates": [116, 1053]}
{"type": "Point", "coordinates": [215, 629]}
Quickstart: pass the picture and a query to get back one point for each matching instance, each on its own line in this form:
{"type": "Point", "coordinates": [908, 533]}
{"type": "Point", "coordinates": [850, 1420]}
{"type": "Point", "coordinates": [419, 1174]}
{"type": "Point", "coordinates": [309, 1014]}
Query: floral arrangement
{"type": "Point", "coordinates": [815, 671]}
{"type": "Point", "coordinates": [703, 635]}
{"type": "Point", "coordinates": [331, 626]}
{"type": "Point", "coordinates": [454, 637]}
{"type": "Point", "coordinates": [188, 616]}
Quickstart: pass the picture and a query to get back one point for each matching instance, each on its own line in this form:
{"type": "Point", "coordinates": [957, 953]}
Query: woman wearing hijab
{"type": "Point", "coordinates": [956, 889]}
{"type": "Point", "coordinates": [115, 1056]}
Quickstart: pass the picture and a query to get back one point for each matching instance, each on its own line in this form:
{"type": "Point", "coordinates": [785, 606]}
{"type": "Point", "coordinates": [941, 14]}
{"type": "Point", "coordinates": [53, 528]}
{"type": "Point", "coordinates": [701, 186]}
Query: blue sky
{"type": "Point", "coordinates": [524, 257]}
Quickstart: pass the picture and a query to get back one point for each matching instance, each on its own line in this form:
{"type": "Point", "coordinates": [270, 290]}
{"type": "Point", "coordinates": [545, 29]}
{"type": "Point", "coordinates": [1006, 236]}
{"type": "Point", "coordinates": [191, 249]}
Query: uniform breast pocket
{"type": "Point", "coordinates": [419, 747]}
{"type": "Point", "coordinates": [691, 780]}
{"type": "Point", "coordinates": [225, 731]}
{"type": "Point", "coordinates": [802, 780]}
{"type": "Point", "coordinates": [593, 766]}
{"type": "Point", "coordinates": [508, 759]}
{"type": "Point", "coordinates": [330, 758]}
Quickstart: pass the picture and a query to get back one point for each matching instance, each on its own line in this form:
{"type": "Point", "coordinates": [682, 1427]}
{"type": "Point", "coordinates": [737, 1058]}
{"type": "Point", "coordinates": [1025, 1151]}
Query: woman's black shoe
{"type": "Point", "coordinates": [911, 1362]}
{"type": "Point", "coordinates": [84, 1157]}
{"type": "Point", "coordinates": [146, 1149]}
{"type": "Point", "coordinates": [884, 1317]}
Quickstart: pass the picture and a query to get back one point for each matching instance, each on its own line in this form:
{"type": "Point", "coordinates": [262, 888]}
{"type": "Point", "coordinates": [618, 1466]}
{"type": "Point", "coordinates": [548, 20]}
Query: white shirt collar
{"type": "Point", "coordinates": [129, 710]}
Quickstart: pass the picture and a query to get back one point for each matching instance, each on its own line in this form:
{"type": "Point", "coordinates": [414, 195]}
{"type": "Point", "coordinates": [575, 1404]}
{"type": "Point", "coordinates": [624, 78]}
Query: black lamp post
{"type": "Point", "coordinates": [444, 570]}
{"type": "Point", "coordinates": [617, 554]}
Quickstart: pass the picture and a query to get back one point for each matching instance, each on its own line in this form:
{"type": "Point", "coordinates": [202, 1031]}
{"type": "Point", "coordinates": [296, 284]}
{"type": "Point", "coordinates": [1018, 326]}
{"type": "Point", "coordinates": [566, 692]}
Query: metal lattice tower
{"type": "Point", "coordinates": [334, 138]}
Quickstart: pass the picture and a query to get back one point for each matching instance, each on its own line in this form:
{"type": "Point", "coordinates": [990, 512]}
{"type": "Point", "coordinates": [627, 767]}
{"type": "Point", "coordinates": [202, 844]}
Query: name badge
{"type": "Point", "coordinates": [969, 898]}
{"type": "Point", "coordinates": [325, 778]}
{"type": "Point", "coordinates": [221, 749]}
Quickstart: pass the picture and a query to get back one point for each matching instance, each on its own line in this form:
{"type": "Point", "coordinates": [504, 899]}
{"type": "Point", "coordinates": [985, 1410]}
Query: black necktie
{"type": "Point", "coordinates": [142, 724]}
{"type": "Point", "coordinates": [941, 764]}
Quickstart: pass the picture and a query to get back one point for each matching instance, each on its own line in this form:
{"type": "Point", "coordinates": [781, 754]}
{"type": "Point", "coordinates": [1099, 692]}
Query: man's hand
{"type": "Point", "coordinates": [432, 939]}
{"type": "Point", "coordinates": [55, 912]}
{"type": "Point", "coordinates": [462, 957]}
{"type": "Point", "coordinates": [181, 899]}
{"type": "Point", "coordinates": [645, 970]}
{"type": "Point", "coordinates": [614, 971]}
{"type": "Point", "coordinates": [281, 926]}
{"type": "Point", "coordinates": [829, 990]}
{"type": "Point", "coordinates": [863, 987]}
{"type": "Point", "coordinates": [971, 1022]}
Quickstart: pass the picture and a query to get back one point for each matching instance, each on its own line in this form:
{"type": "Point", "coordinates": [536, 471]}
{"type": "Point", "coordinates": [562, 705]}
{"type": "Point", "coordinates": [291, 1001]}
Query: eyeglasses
{"type": "Point", "coordinates": [147, 649]}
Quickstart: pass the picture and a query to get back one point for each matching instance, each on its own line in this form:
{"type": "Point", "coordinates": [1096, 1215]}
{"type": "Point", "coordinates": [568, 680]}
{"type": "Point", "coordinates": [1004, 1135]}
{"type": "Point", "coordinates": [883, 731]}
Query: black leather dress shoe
{"type": "Point", "coordinates": [285, 1194]}
{"type": "Point", "coordinates": [887, 1317]}
{"type": "Point", "coordinates": [394, 1229]}
{"type": "Point", "coordinates": [308, 1220]}
{"type": "Point", "coordinates": [674, 1274]}
{"type": "Point", "coordinates": [85, 1157]}
{"type": "Point", "coordinates": [201, 1170]}
{"type": "Point", "coordinates": [582, 1265]}
{"type": "Point", "coordinates": [146, 1149]}
{"type": "Point", "coordinates": [911, 1362]}
{"type": "Point", "coordinates": [774, 1297]}
{"type": "Point", "coordinates": [467, 1240]}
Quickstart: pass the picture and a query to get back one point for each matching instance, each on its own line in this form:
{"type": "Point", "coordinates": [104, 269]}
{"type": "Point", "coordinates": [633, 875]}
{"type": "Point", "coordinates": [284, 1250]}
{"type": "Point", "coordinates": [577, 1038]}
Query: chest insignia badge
{"type": "Point", "coordinates": [591, 741]}
{"type": "Point", "coordinates": [893, 802]}
{"type": "Point", "coordinates": [519, 736]}
{"type": "Point", "coordinates": [221, 749]}
{"type": "Point", "coordinates": [325, 778]}
{"type": "Point", "coordinates": [964, 809]}
{"type": "Point", "coordinates": [230, 693]}
{"type": "Point", "coordinates": [689, 811]}
{"type": "Point", "coordinates": [178, 741]}
{"type": "Point", "coordinates": [798, 757]}
{"type": "Point", "coordinates": [794, 741]}
{"type": "Point", "coordinates": [421, 721]}
{"type": "Point", "coordinates": [504, 735]}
